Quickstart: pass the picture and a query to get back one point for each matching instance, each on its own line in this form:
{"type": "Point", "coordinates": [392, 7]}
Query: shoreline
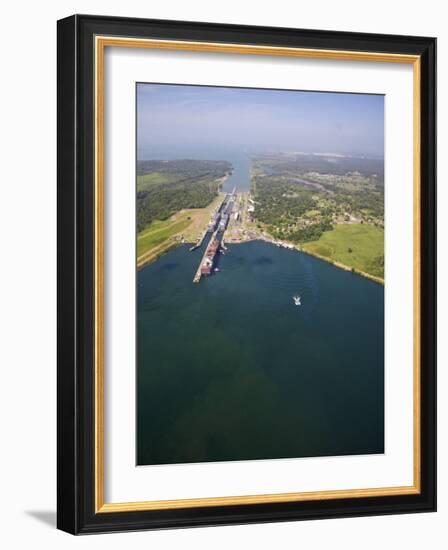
{"type": "Point", "coordinates": [173, 242]}
{"type": "Point", "coordinates": [156, 253]}
{"type": "Point", "coordinates": [373, 278]}
{"type": "Point", "coordinates": [178, 238]}
{"type": "Point", "coordinates": [143, 262]}
{"type": "Point", "coordinates": [297, 248]}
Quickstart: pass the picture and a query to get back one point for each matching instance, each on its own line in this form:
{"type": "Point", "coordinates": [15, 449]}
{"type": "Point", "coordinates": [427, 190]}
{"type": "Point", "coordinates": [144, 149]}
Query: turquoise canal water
{"type": "Point", "coordinates": [240, 177]}
{"type": "Point", "coordinates": [231, 369]}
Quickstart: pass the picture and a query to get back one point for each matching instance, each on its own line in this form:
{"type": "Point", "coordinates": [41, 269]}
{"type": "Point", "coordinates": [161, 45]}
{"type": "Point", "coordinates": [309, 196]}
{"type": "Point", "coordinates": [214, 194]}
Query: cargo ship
{"type": "Point", "coordinates": [207, 263]}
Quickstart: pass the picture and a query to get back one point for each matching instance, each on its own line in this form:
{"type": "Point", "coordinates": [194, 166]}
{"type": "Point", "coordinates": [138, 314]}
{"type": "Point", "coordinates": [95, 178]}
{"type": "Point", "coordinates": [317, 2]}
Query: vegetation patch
{"type": "Point", "coordinates": [359, 246]}
{"type": "Point", "coordinates": [166, 187]}
{"type": "Point", "coordinates": [160, 231]}
{"type": "Point", "coordinates": [146, 181]}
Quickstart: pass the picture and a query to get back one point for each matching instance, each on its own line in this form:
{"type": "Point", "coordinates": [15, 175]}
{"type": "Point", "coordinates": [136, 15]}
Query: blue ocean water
{"type": "Point", "coordinates": [231, 369]}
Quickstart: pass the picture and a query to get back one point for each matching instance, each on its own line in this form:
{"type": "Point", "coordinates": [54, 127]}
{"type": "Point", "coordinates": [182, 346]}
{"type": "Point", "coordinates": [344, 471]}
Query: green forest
{"type": "Point", "coordinates": [165, 187]}
{"type": "Point", "coordinates": [282, 207]}
{"type": "Point", "coordinates": [300, 197]}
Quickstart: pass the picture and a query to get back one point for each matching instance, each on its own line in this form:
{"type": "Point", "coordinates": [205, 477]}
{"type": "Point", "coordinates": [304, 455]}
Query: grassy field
{"type": "Point", "coordinates": [160, 236]}
{"type": "Point", "coordinates": [159, 231]}
{"type": "Point", "coordinates": [358, 246]}
{"type": "Point", "coordinates": [147, 180]}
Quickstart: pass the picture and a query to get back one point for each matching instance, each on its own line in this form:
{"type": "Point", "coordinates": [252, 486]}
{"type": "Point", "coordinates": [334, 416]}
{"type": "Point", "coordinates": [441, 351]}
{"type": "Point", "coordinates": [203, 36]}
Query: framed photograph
{"type": "Point", "coordinates": [246, 271]}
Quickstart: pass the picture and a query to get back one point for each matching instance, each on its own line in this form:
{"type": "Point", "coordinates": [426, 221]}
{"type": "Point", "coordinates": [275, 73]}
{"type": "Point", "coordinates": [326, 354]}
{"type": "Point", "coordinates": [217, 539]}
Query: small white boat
{"type": "Point", "coordinates": [297, 301]}
{"type": "Point", "coordinates": [216, 269]}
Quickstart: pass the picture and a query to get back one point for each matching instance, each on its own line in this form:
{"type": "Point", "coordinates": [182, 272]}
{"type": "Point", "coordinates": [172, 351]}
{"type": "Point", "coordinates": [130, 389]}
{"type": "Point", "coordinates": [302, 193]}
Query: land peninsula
{"type": "Point", "coordinates": [175, 200]}
{"type": "Point", "coordinates": [330, 206]}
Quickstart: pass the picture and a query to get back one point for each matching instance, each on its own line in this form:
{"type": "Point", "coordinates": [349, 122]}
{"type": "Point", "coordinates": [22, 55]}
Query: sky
{"type": "Point", "coordinates": [257, 120]}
